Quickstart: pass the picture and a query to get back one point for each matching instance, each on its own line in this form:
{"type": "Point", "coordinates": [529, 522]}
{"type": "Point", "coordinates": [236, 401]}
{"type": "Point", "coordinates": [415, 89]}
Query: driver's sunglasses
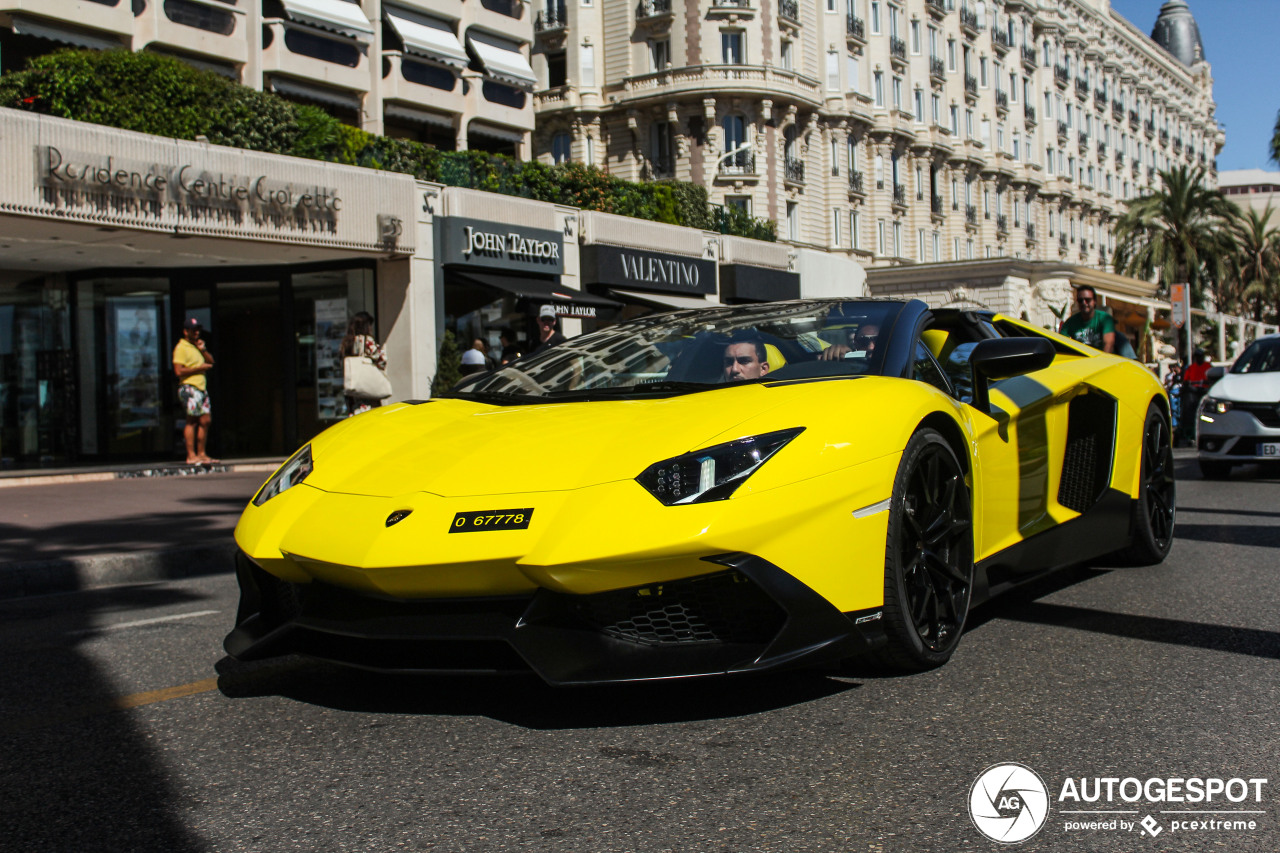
{"type": "Point", "coordinates": [1086, 300]}
{"type": "Point", "coordinates": [744, 360]}
{"type": "Point", "coordinates": [861, 341]}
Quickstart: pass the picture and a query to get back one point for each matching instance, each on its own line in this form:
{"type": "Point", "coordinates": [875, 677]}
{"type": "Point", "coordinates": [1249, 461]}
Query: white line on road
{"type": "Point", "coordinates": [141, 622]}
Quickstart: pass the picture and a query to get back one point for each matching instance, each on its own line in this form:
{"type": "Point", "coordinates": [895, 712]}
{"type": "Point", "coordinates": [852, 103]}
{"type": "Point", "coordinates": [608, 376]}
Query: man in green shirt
{"type": "Point", "coordinates": [1089, 325]}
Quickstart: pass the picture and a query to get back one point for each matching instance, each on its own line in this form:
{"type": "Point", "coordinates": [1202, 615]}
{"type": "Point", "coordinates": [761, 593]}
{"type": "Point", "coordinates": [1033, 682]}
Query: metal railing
{"type": "Point", "coordinates": [855, 183]}
{"type": "Point", "coordinates": [935, 204]}
{"type": "Point", "coordinates": [793, 168]}
{"type": "Point", "coordinates": [1031, 230]}
{"type": "Point", "coordinates": [1030, 113]}
{"type": "Point", "coordinates": [789, 9]}
{"type": "Point", "coordinates": [551, 18]}
{"type": "Point", "coordinates": [1029, 56]}
{"type": "Point", "coordinates": [899, 194]}
{"type": "Point", "coordinates": [897, 48]}
{"type": "Point", "coordinates": [1002, 100]}
{"type": "Point", "coordinates": [650, 8]}
{"type": "Point", "coordinates": [1061, 75]}
{"type": "Point", "coordinates": [936, 67]}
{"type": "Point", "coordinates": [1062, 130]}
{"type": "Point", "coordinates": [971, 214]}
{"type": "Point", "coordinates": [855, 28]}
{"type": "Point", "coordinates": [1002, 223]}
{"type": "Point", "coordinates": [971, 84]}
{"type": "Point", "coordinates": [968, 18]}
{"type": "Point", "coordinates": [739, 163]}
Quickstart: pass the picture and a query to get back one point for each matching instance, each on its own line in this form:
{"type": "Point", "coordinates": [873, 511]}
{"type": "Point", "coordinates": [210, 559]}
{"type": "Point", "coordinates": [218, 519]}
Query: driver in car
{"type": "Point", "coordinates": [745, 358]}
{"type": "Point", "coordinates": [862, 343]}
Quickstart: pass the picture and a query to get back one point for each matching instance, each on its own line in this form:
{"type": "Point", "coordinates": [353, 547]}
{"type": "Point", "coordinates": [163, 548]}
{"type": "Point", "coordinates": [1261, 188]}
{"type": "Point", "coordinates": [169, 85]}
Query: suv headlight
{"type": "Point", "coordinates": [715, 473]}
{"type": "Point", "coordinates": [290, 474]}
{"type": "Point", "coordinates": [1214, 406]}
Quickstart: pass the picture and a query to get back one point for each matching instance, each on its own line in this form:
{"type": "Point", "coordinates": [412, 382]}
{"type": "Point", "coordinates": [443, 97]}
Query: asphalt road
{"type": "Point", "coordinates": [120, 734]}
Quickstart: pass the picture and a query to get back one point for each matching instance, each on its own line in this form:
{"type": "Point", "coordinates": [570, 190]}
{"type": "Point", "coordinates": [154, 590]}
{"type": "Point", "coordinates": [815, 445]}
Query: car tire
{"type": "Point", "coordinates": [1211, 469]}
{"type": "Point", "coordinates": [1156, 507]}
{"type": "Point", "coordinates": [928, 573]}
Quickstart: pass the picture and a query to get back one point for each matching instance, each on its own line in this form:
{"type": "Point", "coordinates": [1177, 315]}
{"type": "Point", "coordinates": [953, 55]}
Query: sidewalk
{"type": "Point", "coordinates": [67, 530]}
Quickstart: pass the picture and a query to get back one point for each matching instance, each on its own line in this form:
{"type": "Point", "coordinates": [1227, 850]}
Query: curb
{"type": "Point", "coordinates": [11, 480]}
{"type": "Point", "coordinates": [74, 574]}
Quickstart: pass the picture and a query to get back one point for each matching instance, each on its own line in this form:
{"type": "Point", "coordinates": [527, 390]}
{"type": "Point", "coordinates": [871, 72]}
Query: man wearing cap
{"type": "Point", "coordinates": [191, 361]}
{"type": "Point", "coordinates": [548, 334]}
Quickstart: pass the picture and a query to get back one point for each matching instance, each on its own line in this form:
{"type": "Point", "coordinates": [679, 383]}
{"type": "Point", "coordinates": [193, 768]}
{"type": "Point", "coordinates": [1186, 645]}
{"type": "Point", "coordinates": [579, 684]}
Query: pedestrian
{"type": "Point", "coordinates": [510, 346]}
{"type": "Point", "coordinates": [548, 329]}
{"type": "Point", "coordinates": [476, 359]}
{"type": "Point", "coordinates": [1194, 385]}
{"type": "Point", "coordinates": [359, 341]}
{"type": "Point", "coordinates": [1089, 325]}
{"type": "Point", "coordinates": [191, 361]}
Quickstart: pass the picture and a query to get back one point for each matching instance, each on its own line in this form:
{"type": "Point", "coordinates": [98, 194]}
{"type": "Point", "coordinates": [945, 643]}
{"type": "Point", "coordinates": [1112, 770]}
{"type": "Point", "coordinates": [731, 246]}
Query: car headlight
{"type": "Point", "coordinates": [290, 474]}
{"type": "Point", "coordinates": [715, 473]}
{"type": "Point", "coordinates": [1213, 405]}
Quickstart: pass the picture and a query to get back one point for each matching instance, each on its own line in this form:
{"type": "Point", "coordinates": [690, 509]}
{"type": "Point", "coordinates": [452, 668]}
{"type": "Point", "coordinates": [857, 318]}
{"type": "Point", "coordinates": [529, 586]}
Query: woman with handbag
{"type": "Point", "coordinates": [364, 366]}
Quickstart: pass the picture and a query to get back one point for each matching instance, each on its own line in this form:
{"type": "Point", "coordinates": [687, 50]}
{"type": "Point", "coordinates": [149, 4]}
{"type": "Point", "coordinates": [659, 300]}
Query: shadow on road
{"type": "Point", "coordinates": [525, 700]}
{"type": "Point", "coordinates": [76, 774]}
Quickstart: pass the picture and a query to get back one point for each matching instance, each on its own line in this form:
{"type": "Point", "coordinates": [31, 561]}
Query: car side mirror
{"type": "Point", "coordinates": [1003, 358]}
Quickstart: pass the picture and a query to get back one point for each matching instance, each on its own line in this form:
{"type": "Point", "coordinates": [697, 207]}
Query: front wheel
{"type": "Point", "coordinates": [1155, 509]}
{"type": "Point", "coordinates": [928, 572]}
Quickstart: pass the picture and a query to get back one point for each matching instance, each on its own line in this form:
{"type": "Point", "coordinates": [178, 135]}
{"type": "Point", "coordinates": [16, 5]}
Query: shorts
{"type": "Point", "coordinates": [195, 401]}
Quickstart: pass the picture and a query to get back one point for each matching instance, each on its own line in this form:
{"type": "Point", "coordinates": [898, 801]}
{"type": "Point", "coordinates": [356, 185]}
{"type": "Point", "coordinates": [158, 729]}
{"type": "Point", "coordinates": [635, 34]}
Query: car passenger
{"type": "Point", "coordinates": [745, 359]}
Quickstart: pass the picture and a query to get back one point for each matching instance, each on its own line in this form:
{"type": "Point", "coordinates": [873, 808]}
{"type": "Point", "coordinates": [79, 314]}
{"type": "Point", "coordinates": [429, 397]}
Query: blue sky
{"type": "Point", "coordinates": [1242, 43]}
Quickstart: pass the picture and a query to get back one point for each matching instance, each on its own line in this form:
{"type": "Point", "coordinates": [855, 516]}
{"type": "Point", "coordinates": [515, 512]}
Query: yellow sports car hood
{"type": "Point", "coordinates": [455, 448]}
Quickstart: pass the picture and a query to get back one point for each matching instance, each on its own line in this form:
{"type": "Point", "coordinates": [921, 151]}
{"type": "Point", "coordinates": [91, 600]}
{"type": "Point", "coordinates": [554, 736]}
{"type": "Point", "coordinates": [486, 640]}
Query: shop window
{"type": "Point", "coordinates": [428, 75]}
{"type": "Point", "coordinates": [200, 16]}
{"type": "Point", "coordinates": [323, 303]}
{"type": "Point", "coordinates": [319, 47]}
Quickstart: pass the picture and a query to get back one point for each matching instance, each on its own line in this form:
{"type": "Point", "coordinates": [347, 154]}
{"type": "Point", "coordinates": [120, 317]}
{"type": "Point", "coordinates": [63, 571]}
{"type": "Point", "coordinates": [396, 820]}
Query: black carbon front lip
{"type": "Point", "coordinates": [565, 639]}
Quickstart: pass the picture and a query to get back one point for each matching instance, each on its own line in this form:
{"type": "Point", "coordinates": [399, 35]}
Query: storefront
{"type": "Point", "coordinates": [111, 239]}
{"type": "Point", "coordinates": [498, 273]}
{"type": "Point", "coordinates": [756, 271]}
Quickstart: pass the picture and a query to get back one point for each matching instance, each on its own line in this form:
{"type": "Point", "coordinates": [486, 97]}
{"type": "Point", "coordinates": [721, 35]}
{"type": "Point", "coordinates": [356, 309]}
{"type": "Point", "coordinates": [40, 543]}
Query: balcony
{"type": "Point", "coordinates": [1060, 75]}
{"type": "Point", "coordinates": [1000, 41]}
{"type": "Point", "coordinates": [1133, 119]}
{"type": "Point", "coordinates": [935, 205]}
{"type": "Point", "coordinates": [1100, 96]}
{"type": "Point", "coordinates": [900, 195]}
{"type": "Point", "coordinates": [1164, 138]}
{"type": "Point", "coordinates": [855, 29]}
{"type": "Point", "coordinates": [1082, 89]}
{"type": "Point", "coordinates": [937, 70]}
{"type": "Point", "coordinates": [1177, 146]}
{"type": "Point", "coordinates": [971, 85]}
{"type": "Point", "coordinates": [1002, 224]}
{"type": "Point", "coordinates": [1102, 150]}
{"type": "Point", "coordinates": [1002, 100]}
{"type": "Point", "coordinates": [1119, 160]}
{"type": "Point", "coordinates": [1062, 130]}
{"type": "Point", "coordinates": [1030, 113]}
{"type": "Point", "coordinates": [793, 170]}
{"type": "Point", "coordinates": [553, 18]}
{"type": "Point", "coordinates": [1117, 110]}
{"type": "Point", "coordinates": [658, 87]}
{"type": "Point", "coordinates": [789, 10]}
{"type": "Point", "coordinates": [970, 215]}
{"type": "Point", "coordinates": [856, 183]}
{"type": "Point", "coordinates": [968, 21]}
{"type": "Point", "coordinates": [1084, 140]}
{"type": "Point", "coordinates": [1062, 242]}
{"type": "Point", "coordinates": [652, 9]}
{"type": "Point", "coordinates": [738, 164]}
{"type": "Point", "coordinates": [1028, 57]}
{"type": "Point", "coordinates": [897, 49]}
{"type": "Point", "coordinates": [738, 9]}
{"type": "Point", "coordinates": [1031, 232]}
{"type": "Point", "coordinates": [1149, 127]}
{"type": "Point", "coordinates": [937, 8]}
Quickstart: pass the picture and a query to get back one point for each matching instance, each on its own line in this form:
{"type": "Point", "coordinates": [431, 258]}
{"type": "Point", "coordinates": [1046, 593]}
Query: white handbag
{"type": "Point", "coordinates": [362, 379]}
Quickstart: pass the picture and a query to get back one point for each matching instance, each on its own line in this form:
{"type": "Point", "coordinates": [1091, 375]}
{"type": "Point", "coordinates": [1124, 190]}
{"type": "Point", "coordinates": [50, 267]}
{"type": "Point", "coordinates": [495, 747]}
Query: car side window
{"type": "Point", "coordinates": [925, 369]}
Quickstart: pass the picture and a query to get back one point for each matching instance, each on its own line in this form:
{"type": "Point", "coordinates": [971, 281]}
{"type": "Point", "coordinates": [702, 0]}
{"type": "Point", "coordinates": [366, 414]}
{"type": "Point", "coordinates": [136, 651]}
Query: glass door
{"type": "Point", "coordinates": [246, 336]}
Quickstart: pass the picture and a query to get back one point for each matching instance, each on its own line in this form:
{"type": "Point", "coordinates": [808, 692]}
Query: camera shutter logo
{"type": "Point", "coordinates": [1009, 803]}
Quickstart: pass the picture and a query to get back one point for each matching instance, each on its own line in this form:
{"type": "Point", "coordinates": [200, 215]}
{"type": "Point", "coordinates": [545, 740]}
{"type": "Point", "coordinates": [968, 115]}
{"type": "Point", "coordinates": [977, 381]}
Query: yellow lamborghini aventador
{"type": "Point", "coordinates": [728, 489]}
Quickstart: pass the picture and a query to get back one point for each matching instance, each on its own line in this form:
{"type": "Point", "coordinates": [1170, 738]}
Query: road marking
{"type": "Point", "coordinates": [140, 622]}
{"type": "Point", "coordinates": [118, 703]}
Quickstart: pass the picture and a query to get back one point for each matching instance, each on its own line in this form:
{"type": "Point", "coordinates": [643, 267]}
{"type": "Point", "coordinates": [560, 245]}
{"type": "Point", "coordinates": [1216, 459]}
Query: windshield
{"type": "Point", "coordinates": [1261, 357]}
{"type": "Point", "coordinates": [698, 350]}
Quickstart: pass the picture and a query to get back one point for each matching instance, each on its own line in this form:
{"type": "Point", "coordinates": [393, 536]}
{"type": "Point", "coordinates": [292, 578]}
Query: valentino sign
{"type": "Point", "coordinates": [620, 266]}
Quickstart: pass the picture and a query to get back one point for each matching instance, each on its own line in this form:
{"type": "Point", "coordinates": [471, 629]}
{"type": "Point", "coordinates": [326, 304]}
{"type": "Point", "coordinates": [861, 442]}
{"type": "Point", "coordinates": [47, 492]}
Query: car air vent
{"type": "Point", "coordinates": [1086, 465]}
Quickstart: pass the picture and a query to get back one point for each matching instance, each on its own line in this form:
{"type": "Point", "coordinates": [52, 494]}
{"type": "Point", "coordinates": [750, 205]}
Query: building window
{"type": "Point", "coordinates": [793, 220]}
{"type": "Point", "coordinates": [836, 216]}
{"type": "Point", "coordinates": [968, 252]}
{"type": "Point", "coordinates": [851, 68]}
{"type": "Point", "coordinates": [951, 55]}
{"type": "Point", "coordinates": [731, 47]}
{"type": "Point", "coordinates": [920, 244]}
{"type": "Point", "coordinates": [740, 203]}
{"type": "Point", "coordinates": [561, 147]}
{"type": "Point", "coordinates": [736, 158]}
{"type": "Point", "coordinates": [936, 249]}
{"type": "Point", "coordinates": [587, 65]}
{"type": "Point", "coordinates": [897, 238]}
{"type": "Point", "coordinates": [660, 54]}
{"type": "Point", "coordinates": [661, 148]}
{"type": "Point", "coordinates": [915, 37]}
{"type": "Point", "coordinates": [877, 88]}
{"type": "Point", "coordinates": [875, 17]}
{"type": "Point", "coordinates": [855, 230]}
{"type": "Point", "coordinates": [919, 105]}
{"type": "Point", "coordinates": [880, 235]}
{"type": "Point", "coordinates": [968, 123]}
{"type": "Point", "coordinates": [982, 72]}
{"type": "Point", "coordinates": [897, 93]}
{"type": "Point", "coordinates": [955, 120]}
{"type": "Point", "coordinates": [936, 108]}
{"type": "Point", "coordinates": [955, 248]}
{"type": "Point", "coordinates": [788, 58]}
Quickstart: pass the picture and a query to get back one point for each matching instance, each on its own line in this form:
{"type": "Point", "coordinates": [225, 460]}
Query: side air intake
{"type": "Point", "coordinates": [1091, 441]}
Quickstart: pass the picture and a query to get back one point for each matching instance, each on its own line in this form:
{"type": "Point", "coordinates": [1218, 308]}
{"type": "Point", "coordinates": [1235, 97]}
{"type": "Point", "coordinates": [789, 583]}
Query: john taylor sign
{"type": "Point", "coordinates": [493, 245]}
{"type": "Point", "coordinates": [618, 266]}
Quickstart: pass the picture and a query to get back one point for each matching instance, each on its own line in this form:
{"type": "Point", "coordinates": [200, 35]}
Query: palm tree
{"type": "Point", "coordinates": [1275, 141]}
{"type": "Point", "coordinates": [1178, 233]}
{"type": "Point", "coordinates": [1257, 262]}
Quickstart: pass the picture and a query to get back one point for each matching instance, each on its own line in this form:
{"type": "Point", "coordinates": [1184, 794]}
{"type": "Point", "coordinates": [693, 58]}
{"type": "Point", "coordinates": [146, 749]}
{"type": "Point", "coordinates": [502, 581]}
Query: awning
{"type": "Point", "coordinates": [746, 283]}
{"type": "Point", "coordinates": [419, 116]}
{"type": "Point", "coordinates": [427, 37]}
{"type": "Point", "coordinates": [574, 302]}
{"type": "Point", "coordinates": [503, 61]}
{"type": "Point", "coordinates": [336, 15]}
{"type": "Point", "coordinates": [665, 300]}
{"type": "Point", "coordinates": [341, 98]}
{"type": "Point", "coordinates": [65, 35]}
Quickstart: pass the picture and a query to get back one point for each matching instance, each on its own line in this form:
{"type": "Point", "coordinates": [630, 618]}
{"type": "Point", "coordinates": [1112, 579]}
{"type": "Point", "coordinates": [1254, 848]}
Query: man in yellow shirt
{"type": "Point", "coordinates": [191, 361]}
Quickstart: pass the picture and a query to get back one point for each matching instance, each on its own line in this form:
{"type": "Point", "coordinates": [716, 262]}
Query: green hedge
{"type": "Point", "coordinates": [163, 96]}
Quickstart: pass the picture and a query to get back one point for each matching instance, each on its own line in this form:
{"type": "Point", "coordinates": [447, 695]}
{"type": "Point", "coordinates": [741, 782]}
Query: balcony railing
{"type": "Point", "coordinates": [1149, 127]}
{"type": "Point", "coordinates": [935, 204]}
{"type": "Point", "coordinates": [1002, 223]}
{"type": "Point", "coordinates": [937, 7]}
{"type": "Point", "coordinates": [1084, 140]}
{"type": "Point", "coordinates": [1030, 113]}
{"type": "Point", "coordinates": [1000, 39]}
{"type": "Point", "coordinates": [936, 67]}
{"type": "Point", "coordinates": [1062, 242]}
{"type": "Point", "coordinates": [1062, 130]}
{"type": "Point", "coordinates": [899, 194]}
{"type": "Point", "coordinates": [740, 163]}
{"type": "Point", "coordinates": [1164, 137]}
{"type": "Point", "coordinates": [1117, 110]}
{"type": "Point", "coordinates": [855, 28]}
{"type": "Point", "coordinates": [1031, 231]}
{"type": "Point", "coordinates": [1133, 119]}
{"type": "Point", "coordinates": [1102, 150]}
{"type": "Point", "coordinates": [738, 4]}
{"type": "Point", "coordinates": [897, 48]}
{"type": "Point", "coordinates": [1061, 75]}
{"type": "Point", "coordinates": [1082, 89]}
{"type": "Point", "coordinates": [1100, 95]}
{"type": "Point", "coordinates": [552, 18]}
{"type": "Point", "coordinates": [971, 214]}
{"type": "Point", "coordinates": [971, 84]}
{"type": "Point", "coordinates": [969, 20]}
{"type": "Point", "coordinates": [1177, 146]}
{"type": "Point", "coordinates": [652, 8]}
{"type": "Point", "coordinates": [855, 183]}
{"type": "Point", "coordinates": [789, 9]}
{"type": "Point", "coordinates": [1002, 100]}
{"type": "Point", "coordinates": [1028, 56]}
{"type": "Point", "coordinates": [794, 170]}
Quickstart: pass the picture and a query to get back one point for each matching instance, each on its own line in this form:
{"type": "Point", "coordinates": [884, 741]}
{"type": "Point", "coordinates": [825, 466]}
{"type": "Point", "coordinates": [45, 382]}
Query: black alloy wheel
{"type": "Point", "coordinates": [928, 556]}
{"type": "Point", "coordinates": [1155, 508]}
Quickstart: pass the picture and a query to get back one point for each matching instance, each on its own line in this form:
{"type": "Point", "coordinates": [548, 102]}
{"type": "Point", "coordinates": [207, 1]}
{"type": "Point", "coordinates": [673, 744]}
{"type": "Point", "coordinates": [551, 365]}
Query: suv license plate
{"type": "Point", "coordinates": [1270, 449]}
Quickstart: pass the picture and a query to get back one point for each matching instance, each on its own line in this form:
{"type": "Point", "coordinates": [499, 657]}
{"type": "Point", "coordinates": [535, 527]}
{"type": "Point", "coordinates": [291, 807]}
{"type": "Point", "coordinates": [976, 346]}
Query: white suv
{"type": "Point", "coordinates": [1239, 419]}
